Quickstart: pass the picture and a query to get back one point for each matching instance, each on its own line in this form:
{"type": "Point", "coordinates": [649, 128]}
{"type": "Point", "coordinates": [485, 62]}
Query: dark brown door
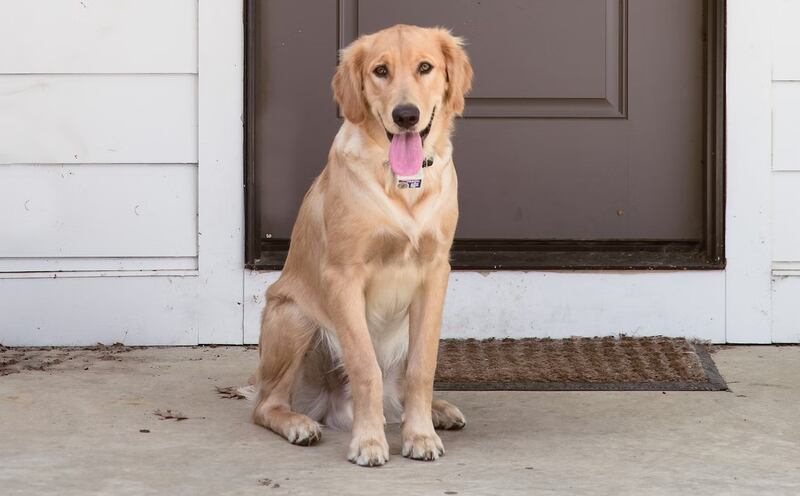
{"type": "Point", "coordinates": [586, 122]}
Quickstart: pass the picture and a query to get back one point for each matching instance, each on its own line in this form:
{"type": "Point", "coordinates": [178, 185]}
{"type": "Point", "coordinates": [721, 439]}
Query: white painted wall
{"type": "Point", "coordinates": [121, 192]}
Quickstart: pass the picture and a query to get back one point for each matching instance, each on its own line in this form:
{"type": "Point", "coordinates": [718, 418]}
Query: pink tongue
{"type": "Point", "coordinates": [405, 154]}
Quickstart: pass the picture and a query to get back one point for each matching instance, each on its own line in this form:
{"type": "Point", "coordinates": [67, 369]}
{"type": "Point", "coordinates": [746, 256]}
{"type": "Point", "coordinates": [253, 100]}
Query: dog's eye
{"type": "Point", "coordinates": [381, 71]}
{"type": "Point", "coordinates": [425, 68]}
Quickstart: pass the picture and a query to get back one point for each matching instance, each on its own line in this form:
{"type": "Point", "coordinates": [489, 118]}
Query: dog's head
{"type": "Point", "coordinates": [403, 77]}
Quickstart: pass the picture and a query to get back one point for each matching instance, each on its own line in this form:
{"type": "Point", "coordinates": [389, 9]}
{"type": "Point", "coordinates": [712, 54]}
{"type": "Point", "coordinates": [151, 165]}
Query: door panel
{"type": "Point", "coordinates": [575, 72]}
{"type": "Point", "coordinates": [586, 121]}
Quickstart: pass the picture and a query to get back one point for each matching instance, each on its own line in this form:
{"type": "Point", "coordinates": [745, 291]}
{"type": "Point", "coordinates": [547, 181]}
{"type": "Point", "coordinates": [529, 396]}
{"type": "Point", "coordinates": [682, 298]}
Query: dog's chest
{"type": "Point", "coordinates": [397, 268]}
{"type": "Point", "coordinates": [399, 255]}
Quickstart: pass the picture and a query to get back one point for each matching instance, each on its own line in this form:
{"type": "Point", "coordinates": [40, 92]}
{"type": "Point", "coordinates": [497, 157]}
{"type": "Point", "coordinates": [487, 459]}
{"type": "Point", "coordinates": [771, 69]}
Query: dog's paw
{"type": "Point", "coordinates": [369, 451]}
{"type": "Point", "coordinates": [447, 416]}
{"type": "Point", "coordinates": [302, 431]}
{"type": "Point", "coordinates": [426, 447]}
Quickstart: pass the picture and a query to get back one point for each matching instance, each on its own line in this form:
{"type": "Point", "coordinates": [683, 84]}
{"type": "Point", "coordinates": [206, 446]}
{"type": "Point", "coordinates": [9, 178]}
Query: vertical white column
{"type": "Point", "coordinates": [220, 171]}
{"type": "Point", "coordinates": [749, 143]}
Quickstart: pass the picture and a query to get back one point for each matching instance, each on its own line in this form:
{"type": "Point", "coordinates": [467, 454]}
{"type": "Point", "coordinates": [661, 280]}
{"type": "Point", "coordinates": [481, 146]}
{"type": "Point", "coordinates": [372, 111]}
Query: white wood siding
{"type": "Point", "coordinates": [786, 217]}
{"type": "Point", "coordinates": [98, 36]}
{"type": "Point", "coordinates": [786, 307]}
{"type": "Point", "coordinates": [99, 171]}
{"type": "Point", "coordinates": [786, 123]}
{"type": "Point", "coordinates": [69, 118]}
{"type": "Point", "coordinates": [786, 40]}
{"type": "Point", "coordinates": [98, 210]}
{"type": "Point", "coordinates": [786, 171]}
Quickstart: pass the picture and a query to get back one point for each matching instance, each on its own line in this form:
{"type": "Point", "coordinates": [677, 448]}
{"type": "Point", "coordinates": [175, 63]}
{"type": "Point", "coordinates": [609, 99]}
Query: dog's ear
{"type": "Point", "coordinates": [348, 84]}
{"type": "Point", "coordinates": [459, 71]}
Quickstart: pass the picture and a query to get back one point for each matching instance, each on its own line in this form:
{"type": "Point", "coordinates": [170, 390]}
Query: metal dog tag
{"type": "Point", "coordinates": [409, 182]}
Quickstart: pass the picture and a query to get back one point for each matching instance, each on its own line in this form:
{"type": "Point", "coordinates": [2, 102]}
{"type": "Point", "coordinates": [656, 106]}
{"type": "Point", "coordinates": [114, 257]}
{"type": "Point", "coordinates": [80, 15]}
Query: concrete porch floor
{"type": "Point", "coordinates": [76, 429]}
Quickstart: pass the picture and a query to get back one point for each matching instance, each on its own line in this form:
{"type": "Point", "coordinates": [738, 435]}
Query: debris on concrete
{"type": "Point", "coordinates": [14, 360]}
{"type": "Point", "coordinates": [269, 483]}
{"type": "Point", "coordinates": [230, 392]}
{"type": "Point", "coordinates": [170, 414]}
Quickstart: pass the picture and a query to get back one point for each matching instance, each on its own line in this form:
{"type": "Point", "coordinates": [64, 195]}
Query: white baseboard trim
{"type": "Point", "coordinates": [79, 311]}
{"type": "Point", "coordinates": [562, 304]}
{"type": "Point", "coordinates": [96, 264]}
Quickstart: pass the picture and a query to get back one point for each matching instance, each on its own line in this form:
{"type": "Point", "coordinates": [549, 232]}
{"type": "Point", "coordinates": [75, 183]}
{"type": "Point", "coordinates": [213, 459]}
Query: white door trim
{"type": "Point", "coordinates": [220, 170]}
{"type": "Point", "coordinates": [748, 156]}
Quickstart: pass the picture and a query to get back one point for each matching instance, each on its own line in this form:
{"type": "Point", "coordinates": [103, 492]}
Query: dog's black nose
{"type": "Point", "coordinates": [405, 116]}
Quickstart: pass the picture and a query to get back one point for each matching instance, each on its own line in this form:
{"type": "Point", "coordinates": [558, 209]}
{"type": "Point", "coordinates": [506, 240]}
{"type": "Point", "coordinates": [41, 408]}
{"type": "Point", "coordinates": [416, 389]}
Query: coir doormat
{"type": "Point", "coordinates": [577, 364]}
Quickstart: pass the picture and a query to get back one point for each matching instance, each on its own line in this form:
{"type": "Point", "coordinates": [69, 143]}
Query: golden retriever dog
{"type": "Point", "coordinates": [350, 333]}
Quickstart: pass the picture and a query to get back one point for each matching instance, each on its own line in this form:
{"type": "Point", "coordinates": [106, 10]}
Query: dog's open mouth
{"type": "Point", "coordinates": [405, 150]}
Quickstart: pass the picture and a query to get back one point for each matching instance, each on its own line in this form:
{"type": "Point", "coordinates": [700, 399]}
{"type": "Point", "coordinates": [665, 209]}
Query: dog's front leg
{"type": "Point", "coordinates": [420, 440]}
{"type": "Point", "coordinates": [346, 307]}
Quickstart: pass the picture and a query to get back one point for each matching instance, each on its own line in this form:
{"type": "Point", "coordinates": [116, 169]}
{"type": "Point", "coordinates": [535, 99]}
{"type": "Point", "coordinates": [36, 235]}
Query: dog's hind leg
{"type": "Point", "coordinates": [285, 336]}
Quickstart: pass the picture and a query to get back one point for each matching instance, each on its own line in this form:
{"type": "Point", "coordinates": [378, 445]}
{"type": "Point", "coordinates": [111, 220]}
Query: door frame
{"type": "Point", "coordinates": [520, 254]}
